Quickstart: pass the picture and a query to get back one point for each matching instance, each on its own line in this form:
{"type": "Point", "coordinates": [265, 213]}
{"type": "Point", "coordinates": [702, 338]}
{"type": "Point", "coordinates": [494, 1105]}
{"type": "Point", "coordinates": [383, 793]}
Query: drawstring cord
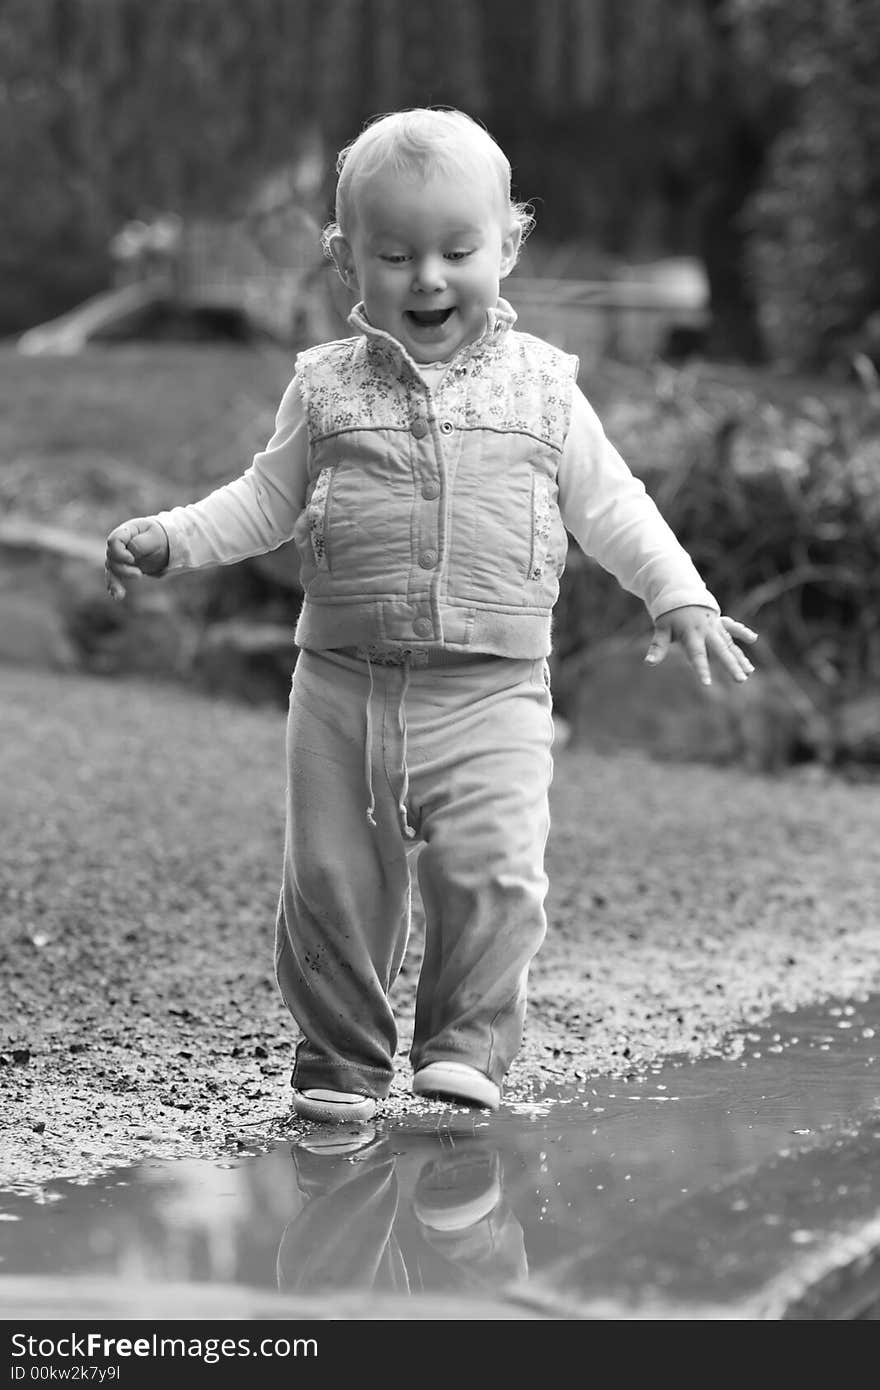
{"type": "Point", "coordinates": [405, 826]}
{"type": "Point", "coordinates": [368, 751]}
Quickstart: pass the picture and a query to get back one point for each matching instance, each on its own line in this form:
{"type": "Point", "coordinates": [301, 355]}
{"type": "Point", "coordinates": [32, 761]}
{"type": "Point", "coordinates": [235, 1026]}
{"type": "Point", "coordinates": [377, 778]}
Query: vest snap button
{"type": "Point", "coordinates": [423, 627]}
{"type": "Point", "coordinates": [419, 427]}
{"type": "Point", "coordinates": [428, 559]}
{"type": "Point", "coordinates": [446, 427]}
{"type": "Point", "coordinates": [430, 491]}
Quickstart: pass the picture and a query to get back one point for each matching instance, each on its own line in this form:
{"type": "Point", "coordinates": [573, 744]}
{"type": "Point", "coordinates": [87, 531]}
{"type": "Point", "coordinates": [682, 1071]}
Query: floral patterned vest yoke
{"type": "Point", "coordinates": [431, 516]}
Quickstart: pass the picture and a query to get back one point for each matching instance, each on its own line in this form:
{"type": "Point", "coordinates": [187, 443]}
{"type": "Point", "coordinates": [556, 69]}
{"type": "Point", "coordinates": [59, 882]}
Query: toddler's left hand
{"type": "Point", "coordinates": [700, 632]}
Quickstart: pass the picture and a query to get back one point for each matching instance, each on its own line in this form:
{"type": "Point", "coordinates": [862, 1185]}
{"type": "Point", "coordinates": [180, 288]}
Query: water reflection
{"type": "Point", "coordinates": [428, 1219]}
{"type": "Point", "coordinates": [448, 1200]}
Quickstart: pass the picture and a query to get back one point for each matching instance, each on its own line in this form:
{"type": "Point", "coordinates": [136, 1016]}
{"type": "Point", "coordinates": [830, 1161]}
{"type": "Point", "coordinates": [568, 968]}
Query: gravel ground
{"type": "Point", "coordinates": [141, 845]}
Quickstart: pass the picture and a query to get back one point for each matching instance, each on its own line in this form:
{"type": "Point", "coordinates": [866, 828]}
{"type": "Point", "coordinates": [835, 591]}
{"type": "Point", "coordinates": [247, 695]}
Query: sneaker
{"type": "Point", "coordinates": [456, 1081]}
{"type": "Point", "coordinates": [335, 1141]}
{"type": "Point", "coordinates": [453, 1194]}
{"type": "Point", "coordinates": [333, 1107]}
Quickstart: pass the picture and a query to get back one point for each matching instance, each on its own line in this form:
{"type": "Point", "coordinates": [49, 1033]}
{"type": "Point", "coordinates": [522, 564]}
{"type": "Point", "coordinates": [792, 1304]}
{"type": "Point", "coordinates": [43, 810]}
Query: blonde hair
{"type": "Point", "coordinates": [420, 140]}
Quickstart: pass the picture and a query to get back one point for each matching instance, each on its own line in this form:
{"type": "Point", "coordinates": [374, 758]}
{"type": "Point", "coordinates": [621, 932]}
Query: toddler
{"type": "Point", "coordinates": [428, 469]}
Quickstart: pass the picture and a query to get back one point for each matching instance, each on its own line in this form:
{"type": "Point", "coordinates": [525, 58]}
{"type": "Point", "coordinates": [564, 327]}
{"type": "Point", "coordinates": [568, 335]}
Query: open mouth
{"type": "Point", "coordinates": [428, 318]}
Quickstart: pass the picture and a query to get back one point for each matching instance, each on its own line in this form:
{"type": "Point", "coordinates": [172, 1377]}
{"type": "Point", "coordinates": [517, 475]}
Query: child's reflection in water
{"type": "Point", "coordinates": [374, 1218]}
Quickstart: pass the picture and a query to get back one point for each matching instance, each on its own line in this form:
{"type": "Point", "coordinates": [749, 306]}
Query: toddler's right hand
{"type": "Point", "coordinates": [137, 547]}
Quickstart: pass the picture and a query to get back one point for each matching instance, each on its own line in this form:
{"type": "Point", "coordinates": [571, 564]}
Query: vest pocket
{"type": "Point", "coordinates": [318, 517]}
{"type": "Point", "coordinates": [542, 525]}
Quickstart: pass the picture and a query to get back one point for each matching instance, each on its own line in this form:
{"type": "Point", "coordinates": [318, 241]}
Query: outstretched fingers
{"type": "Point", "coordinates": [660, 643]}
{"type": "Point", "coordinates": [738, 629]}
{"type": "Point", "coordinates": [696, 648]}
{"type": "Point", "coordinates": [730, 656]}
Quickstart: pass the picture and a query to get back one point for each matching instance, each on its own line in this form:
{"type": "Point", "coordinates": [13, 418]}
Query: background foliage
{"type": "Point", "coordinates": [743, 131]}
{"type": "Point", "coordinates": [772, 483]}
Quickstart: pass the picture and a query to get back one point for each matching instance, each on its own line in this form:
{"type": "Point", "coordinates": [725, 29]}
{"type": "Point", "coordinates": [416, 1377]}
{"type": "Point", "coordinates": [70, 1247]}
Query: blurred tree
{"type": "Point", "coordinates": [54, 228]}
{"type": "Point", "coordinates": [641, 131]}
{"type": "Point", "coordinates": [742, 131]}
{"type": "Point", "coordinates": [814, 222]}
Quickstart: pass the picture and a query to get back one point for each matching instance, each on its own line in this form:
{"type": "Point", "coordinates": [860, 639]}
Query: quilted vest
{"type": "Point", "coordinates": [431, 515]}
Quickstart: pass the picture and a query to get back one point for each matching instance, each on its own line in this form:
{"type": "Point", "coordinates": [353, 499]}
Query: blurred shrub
{"type": "Point", "coordinates": [773, 485]}
{"type": "Point", "coordinates": [778, 502]}
{"type": "Point", "coordinates": [812, 225]}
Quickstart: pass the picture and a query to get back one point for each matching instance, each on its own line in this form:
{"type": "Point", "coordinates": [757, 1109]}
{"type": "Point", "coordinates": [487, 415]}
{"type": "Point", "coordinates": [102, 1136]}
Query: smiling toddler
{"type": "Point", "coordinates": [430, 469]}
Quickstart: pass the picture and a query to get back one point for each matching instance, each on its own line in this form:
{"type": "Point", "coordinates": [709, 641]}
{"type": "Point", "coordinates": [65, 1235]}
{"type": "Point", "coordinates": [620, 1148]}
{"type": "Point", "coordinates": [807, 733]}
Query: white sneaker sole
{"type": "Point", "coordinates": [334, 1112]}
{"type": "Point", "coordinates": [336, 1140]}
{"type": "Point", "coordinates": [456, 1081]}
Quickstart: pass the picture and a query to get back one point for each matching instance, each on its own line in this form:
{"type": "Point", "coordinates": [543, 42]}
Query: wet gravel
{"type": "Point", "coordinates": [140, 852]}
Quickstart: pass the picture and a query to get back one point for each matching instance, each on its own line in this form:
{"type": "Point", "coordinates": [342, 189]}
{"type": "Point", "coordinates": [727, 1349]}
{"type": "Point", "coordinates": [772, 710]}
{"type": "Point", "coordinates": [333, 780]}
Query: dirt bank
{"type": "Point", "coordinates": [141, 842]}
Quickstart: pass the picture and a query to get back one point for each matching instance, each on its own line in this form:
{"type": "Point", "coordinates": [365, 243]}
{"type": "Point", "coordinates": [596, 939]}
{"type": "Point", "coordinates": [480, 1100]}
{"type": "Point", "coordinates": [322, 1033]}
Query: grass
{"type": "Point", "coordinates": [114, 425]}
{"type": "Point", "coordinates": [754, 470]}
{"type": "Point", "coordinates": [117, 426]}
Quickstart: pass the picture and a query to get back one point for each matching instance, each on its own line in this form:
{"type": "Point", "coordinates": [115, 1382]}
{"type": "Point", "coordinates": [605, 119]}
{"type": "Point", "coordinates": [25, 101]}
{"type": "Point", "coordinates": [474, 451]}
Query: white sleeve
{"type": "Point", "coordinates": [256, 512]}
{"type": "Point", "coordinates": [614, 521]}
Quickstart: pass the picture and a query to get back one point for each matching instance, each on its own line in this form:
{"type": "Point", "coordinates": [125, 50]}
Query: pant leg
{"type": "Point", "coordinates": [480, 771]}
{"type": "Point", "coordinates": [344, 1235]}
{"type": "Point", "coordinates": [344, 910]}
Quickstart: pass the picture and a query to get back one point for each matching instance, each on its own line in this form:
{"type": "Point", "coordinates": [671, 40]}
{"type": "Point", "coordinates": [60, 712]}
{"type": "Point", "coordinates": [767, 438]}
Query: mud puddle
{"type": "Point", "coordinates": [597, 1186]}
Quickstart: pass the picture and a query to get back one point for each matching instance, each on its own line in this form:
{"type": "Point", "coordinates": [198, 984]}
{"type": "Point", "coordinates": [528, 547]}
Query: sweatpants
{"type": "Point", "coordinates": [447, 766]}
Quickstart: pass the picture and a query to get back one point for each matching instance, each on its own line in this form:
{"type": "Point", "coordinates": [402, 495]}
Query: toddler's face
{"type": "Point", "coordinates": [427, 255]}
